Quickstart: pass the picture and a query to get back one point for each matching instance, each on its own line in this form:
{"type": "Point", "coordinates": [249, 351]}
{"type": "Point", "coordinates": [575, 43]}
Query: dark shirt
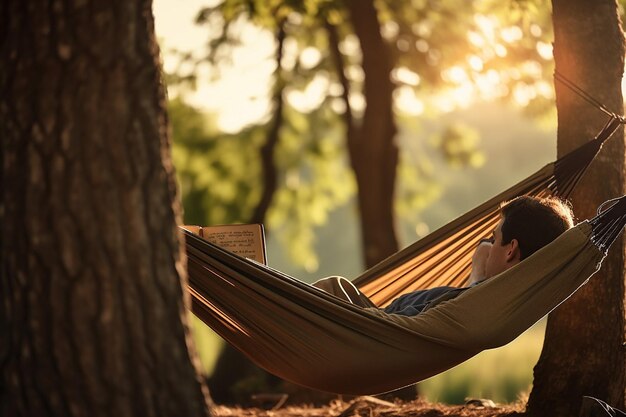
{"type": "Point", "coordinates": [415, 302]}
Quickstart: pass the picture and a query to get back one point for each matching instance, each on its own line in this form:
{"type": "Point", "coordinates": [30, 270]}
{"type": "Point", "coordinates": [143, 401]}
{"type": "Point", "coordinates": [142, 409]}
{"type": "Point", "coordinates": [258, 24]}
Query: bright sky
{"type": "Point", "coordinates": [240, 96]}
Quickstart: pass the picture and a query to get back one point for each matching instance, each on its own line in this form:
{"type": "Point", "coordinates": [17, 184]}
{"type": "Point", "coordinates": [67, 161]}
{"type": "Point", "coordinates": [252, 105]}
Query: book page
{"type": "Point", "coordinates": [247, 240]}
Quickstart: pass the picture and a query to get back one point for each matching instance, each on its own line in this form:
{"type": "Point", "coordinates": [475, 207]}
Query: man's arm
{"type": "Point", "coordinates": [479, 262]}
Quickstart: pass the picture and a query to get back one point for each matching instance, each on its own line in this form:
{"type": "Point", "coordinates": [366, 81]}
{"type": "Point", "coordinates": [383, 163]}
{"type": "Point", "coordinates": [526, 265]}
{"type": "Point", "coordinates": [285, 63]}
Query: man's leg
{"type": "Point", "coordinates": [344, 289]}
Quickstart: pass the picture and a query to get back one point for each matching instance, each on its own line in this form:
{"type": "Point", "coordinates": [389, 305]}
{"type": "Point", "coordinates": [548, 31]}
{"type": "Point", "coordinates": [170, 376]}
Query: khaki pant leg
{"type": "Point", "coordinates": [344, 289]}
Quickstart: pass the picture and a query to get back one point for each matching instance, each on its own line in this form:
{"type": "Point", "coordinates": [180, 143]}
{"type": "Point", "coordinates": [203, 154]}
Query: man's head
{"type": "Point", "coordinates": [526, 225]}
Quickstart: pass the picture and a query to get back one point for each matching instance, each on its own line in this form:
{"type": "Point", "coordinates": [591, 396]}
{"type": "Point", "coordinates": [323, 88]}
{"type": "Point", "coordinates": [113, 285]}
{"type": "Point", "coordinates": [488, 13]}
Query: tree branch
{"type": "Point", "coordinates": [270, 174]}
{"type": "Point", "coordinates": [333, 44]}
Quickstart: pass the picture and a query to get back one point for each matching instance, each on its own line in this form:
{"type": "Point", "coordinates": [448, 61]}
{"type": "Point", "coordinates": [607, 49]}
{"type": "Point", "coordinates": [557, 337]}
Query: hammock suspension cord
{"type": "Point", "coordinates": [586, 96]}
{"type": "Point", "coordinates": [608, 223]}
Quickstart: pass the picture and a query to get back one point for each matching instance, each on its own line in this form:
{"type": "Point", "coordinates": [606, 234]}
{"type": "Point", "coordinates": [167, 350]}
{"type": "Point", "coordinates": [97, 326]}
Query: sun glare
{"type": "Point", "coordinates": [490, 85]}
{"type": "Point", "coordinates": [455, 75]}
{"type": "Point", "coordinates": [487, 26]}
{"type": "Point", "coordinates": [544, 50]}
{"type": "Point", "coordinates": [405, 76]}
{"type": "Point", "coordinates": [474, 80]}
{"type": "Point", "coordinates": [310, 57]}
{"type": "Point", "coordinates": [544, 89]}
{"type": "Point", "coordinates": [476, 39]}
{"type": "Point", "coordinates": [242, 95]}
{"type": "Point", "coordinates": [522, 94]}
{"type": "Point", "coordinates": [407, 102]}
{"type": "Point", "coordinates": [511, 34]}
{"type": "Point", "coordinates": [311, 97]}
{"type": "Point", "coordinates": [475, 62]}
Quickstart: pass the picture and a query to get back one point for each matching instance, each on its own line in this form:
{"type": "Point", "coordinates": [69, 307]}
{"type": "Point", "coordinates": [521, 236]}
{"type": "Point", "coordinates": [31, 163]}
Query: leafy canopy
{"type": "Point", "coordinates": [446, 55]}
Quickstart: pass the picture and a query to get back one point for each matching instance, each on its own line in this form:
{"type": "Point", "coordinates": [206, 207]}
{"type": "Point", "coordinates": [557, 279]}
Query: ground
{"type": "Point", "coordinates": [372, 407]}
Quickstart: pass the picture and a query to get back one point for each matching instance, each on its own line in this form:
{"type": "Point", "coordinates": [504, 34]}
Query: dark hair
{"type": "Point", "coordinates": [534, 222]}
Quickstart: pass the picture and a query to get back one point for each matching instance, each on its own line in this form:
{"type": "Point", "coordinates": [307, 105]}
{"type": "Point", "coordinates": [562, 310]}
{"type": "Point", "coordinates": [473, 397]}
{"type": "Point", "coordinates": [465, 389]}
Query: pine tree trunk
{"type": "Point", "coordinates": [373, 151]}
{"type": "Point", "coordinates": [92, 320]}
{"type": "Point", "coordinates": [583, 352]}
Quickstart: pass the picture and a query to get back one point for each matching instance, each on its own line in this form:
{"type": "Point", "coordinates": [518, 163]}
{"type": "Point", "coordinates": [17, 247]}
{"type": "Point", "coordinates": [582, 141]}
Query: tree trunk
{"type": "Point", "coordinates": [372, 149]}
{"type": "Point", "coordinates": [583, 353]}
{"type": "Point", "coordinates": [270, 174]}
{"type": "Point", "coordinates": [373, 152]}
{"type": "Point", "coordinates": [93, 315]}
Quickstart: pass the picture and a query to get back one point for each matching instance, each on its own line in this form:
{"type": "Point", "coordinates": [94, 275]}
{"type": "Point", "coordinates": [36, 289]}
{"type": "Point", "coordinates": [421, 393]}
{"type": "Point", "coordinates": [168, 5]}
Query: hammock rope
{"type": "Point", "coordinates": [608, 223]}
{"type": "Point", "coordinates": [585, 95]}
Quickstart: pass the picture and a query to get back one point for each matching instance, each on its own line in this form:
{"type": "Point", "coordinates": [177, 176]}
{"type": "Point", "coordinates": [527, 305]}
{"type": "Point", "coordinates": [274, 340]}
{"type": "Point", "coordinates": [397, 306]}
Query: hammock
{"type": "Point", "coordinates": [309, 337]}
{"type": "Point", "coordinates": [444, 256]}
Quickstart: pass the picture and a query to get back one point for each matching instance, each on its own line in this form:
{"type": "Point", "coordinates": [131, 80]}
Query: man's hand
{"type": "Point", "coordinates": [479, 262]}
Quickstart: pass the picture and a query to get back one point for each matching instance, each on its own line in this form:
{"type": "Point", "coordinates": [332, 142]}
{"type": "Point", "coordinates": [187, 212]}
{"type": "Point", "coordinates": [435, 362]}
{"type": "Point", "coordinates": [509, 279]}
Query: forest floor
{"type": "Point", "coordinates": [373, 407]}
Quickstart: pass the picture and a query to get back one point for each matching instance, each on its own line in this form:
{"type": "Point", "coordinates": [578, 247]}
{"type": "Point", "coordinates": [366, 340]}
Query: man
{"type": "Point", "coordinates": [526, 225]}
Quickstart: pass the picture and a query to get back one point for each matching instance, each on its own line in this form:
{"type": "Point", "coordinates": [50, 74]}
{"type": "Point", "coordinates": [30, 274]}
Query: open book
{"type": "Point", "coordinates": [247, 240]}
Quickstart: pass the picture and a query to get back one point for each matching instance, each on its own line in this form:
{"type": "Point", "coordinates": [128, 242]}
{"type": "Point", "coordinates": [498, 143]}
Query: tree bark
{"type": "Point", "coordinates": [93, 315]}
{"type": "Point", "coordinates": [583, 353]}
{"type": "Point", "coordinates": [373, 151]}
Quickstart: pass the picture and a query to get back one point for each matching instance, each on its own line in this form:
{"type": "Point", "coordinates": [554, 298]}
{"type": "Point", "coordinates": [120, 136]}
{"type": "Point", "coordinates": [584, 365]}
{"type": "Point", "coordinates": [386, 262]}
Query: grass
{"type": "Point", "coordinates": [502, 375]}
{"type": "Point", "coordinates": [207, 343]}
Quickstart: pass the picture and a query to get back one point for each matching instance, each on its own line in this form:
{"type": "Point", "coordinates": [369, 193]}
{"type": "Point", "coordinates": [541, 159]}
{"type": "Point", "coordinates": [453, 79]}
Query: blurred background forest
{"type": "Point", "coordinates": [278, 90]}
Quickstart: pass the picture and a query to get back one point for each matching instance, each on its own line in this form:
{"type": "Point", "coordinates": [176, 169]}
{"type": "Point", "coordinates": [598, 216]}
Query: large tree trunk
{"type": "Point", "coordinates": [583, 352]}
{"type": "Point", "coordinates": [93, 315]}
{"type": "Point", "coordinates": [373, 151]}
{"type": "Point", "coordinates": [371, 145]}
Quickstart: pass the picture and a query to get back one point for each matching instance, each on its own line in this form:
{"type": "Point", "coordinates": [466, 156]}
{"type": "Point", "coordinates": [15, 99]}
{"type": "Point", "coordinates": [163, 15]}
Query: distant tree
{"type": "Point", "coordinates": [93, 316]}
{"type": "Point", "coordinates": [367, 57]}
{"type": "Point", "coordinates": [371, 145]}
{"type": "Point", "coordinates": [367, 60]}
{"type": "Point", "coordinates": [583, 353]}
{"type": "Point", "coordinates": [203, 157]}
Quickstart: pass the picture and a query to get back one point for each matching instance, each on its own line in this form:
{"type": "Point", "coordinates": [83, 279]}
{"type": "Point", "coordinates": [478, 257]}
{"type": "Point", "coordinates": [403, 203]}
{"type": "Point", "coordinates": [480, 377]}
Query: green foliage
{"type": "Point", "coordinates": [207, 343]}
{"type": "Point", "coordinates": [218, 174]}
{"type": "Point", "coordinates": [417, 185]}
{"type": "Point", "coordinates": [316, 180]}
{"type": "Point", "coordinates": [459, 145]}
{"type": "Point", "coordinates": [444, 52]}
